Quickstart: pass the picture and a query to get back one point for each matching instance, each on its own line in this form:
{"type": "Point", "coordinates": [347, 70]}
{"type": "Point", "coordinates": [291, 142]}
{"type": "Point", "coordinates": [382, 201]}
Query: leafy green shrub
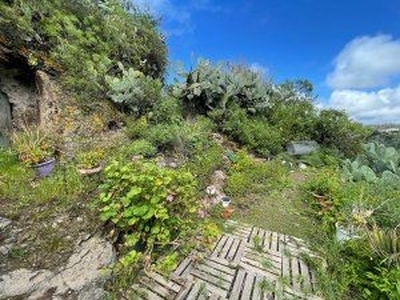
{"type": "Point", "coordinates": [247, 175]}
{"type": "Point", "coordinates": [183, 138]}
{"type": "Point", "coordinates": [326, 182]}
{"type": "Point", "coordinates": [334, 200]}
{"type": "Point", "coordinates": [142, 147]}
{"type": "Point", "coordinates": [167, 110]}
{"type": "Point", "coordinates": [356, 273]}
{"type": "Point", "coordinates": [204, 161]}
{"type": "Point", "coordinates": [323, 191]}
{"type": "Point", "coordinates": [137, 128]}
{"type": "Point", "coordinates": [152, 206]}
{"type": "Point", "coordinates": [256, 134]}
{"type": "Point", "coordinates": [384, 284]}
{"type": "Point", "coordinates": [334, 129]}
{"type": "Point", "coordinates": [261, 137]}
{"type": "Point", "coordinates": [168, 138]}
{"type": "Point", "coordinates": [292, 111]}
{"type": "Point", "coordinates": [133, 91]}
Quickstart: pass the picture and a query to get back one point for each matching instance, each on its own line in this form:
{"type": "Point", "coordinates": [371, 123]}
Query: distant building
{"type": "Point", "coordinates": [388, 130]}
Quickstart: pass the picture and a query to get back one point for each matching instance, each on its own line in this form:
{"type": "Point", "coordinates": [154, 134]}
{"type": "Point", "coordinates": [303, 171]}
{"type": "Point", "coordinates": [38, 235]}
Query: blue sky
{"type": "Point", "coordinates": [349, 50]}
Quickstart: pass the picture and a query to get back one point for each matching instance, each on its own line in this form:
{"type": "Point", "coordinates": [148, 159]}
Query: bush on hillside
{"type": "Point", "coordinates": [210, 87]}
{"type": "Point", "coordinates": [292, 110]}
{"type": "Point", "coordinates": [133, 91]}
{"type": "Point", "coordinates": [181, 139]}
{"type": "Point", "coordinates": [256, 134]}
{"type": "Point", "coordinates": [264, 116]}
{"type": "Point", "coordinates": [167, 110]}
{"type": "Point", "coordinates": [335, 130]}
{"type": "Point", "coordinates": [82, 40]}
{"type": "Point", "coordinates": [151, 206]}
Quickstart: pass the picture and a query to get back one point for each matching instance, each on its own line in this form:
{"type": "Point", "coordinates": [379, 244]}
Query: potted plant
{"type": "Point", "coordinates": [89, 162]}
{"type": "Point", "coordinates": [227, 208]}
{"type": "Point", "coordinates": [36, 148]}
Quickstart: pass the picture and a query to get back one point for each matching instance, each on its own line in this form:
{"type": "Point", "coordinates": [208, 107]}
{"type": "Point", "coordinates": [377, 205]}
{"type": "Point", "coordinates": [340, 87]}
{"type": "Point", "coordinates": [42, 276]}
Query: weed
{"type": "Point", "coordinates": [267, 263]}
{"type": "Point", "coordinates": [257, 244]}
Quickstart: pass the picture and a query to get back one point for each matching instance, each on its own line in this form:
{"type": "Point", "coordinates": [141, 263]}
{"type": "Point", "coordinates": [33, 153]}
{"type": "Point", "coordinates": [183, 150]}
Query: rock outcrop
{"type": "Point", "coordinates": [27, 96]}
{"type": "Point", "coordinates": [83, 276]}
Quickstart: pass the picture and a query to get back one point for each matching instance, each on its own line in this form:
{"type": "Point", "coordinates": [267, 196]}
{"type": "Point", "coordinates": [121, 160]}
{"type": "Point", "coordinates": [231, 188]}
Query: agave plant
{"type": "Point", "coordinates": [386, 244]}
{"type": "Point", "coordinates": [33, 145]}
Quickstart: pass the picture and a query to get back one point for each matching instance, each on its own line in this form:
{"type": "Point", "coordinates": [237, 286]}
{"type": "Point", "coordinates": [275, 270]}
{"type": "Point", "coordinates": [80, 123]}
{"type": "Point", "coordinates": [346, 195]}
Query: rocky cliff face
{"type": "Point", "coordinates": [47, 97]}
{"type": "Point", "coordinates": [26, 96]}
{"type": "Point", "coordinates": [17, 90]}
{"type": "Point", "coordinates": [5, 111]}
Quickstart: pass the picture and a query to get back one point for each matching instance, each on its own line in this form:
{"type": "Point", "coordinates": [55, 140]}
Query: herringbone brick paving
{"type": "Point", "coordinates": [249, 263]}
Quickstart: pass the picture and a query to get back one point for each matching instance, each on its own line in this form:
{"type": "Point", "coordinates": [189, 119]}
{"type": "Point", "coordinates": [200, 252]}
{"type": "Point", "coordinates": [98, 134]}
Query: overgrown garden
{"type": "Point", "coordinates": [173, 137]}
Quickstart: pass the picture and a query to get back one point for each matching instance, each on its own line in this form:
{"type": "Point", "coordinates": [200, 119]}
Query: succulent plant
{"type": "Point", "coordinates": [33, 145]}
{"type": "Point", "coordinates": [210, 87]}
{"type": "Point", "coordinates": [382, 158]}
{"type": "Point", "coordinates": [380, 165]}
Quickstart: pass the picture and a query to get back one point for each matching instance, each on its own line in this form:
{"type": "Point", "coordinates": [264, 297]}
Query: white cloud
{"type": "Point", "coordinates": [381, 106]}
{"type": "Point", "coordinates": [365, 81]}
{"type": "Point", "coordinates": [366, 62]}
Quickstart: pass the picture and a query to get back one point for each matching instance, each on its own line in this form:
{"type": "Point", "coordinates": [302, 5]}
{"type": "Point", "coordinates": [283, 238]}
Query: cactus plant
{"type": "Point", "coordinates": [356, 171]}
{"type": "Point", "coordinates": [380, 165]}
{"type": "Point", "coordinates": [210, 87]}
{"type": "Point", "coordinates": [382, 158]}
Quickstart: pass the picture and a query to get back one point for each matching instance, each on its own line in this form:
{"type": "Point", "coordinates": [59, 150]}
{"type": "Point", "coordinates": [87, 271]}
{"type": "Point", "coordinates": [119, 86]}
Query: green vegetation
{"type": "Point", "coordinates": [267, 195]}
{"type": "Point", "coordinates": [364, 202]}
{"type": "Point", "coordinates": [83, 41]}
{"type": "Point", "coordinates": [33, 145]}
{"type": "Point", "coordinates": [53, 212]}
{"type": "Point", "coordinates": [150, 196]}
{"type": "Point", "coordinates": [265, 116]}
{"type": "Point", "coordinates": [133, 91]}
{"type": "Point", "coordinates": [90, 159]}
{"type": "Point", "coordinates": [152, 206]}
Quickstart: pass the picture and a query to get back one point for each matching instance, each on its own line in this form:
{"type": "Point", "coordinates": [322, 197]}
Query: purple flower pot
{"type": "Point", "coordinates": [45, 168]}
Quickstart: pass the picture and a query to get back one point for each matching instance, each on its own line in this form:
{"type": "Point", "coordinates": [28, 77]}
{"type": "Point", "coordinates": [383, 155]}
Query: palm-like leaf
{"type": "Point", "coordinates": [386, 244]}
